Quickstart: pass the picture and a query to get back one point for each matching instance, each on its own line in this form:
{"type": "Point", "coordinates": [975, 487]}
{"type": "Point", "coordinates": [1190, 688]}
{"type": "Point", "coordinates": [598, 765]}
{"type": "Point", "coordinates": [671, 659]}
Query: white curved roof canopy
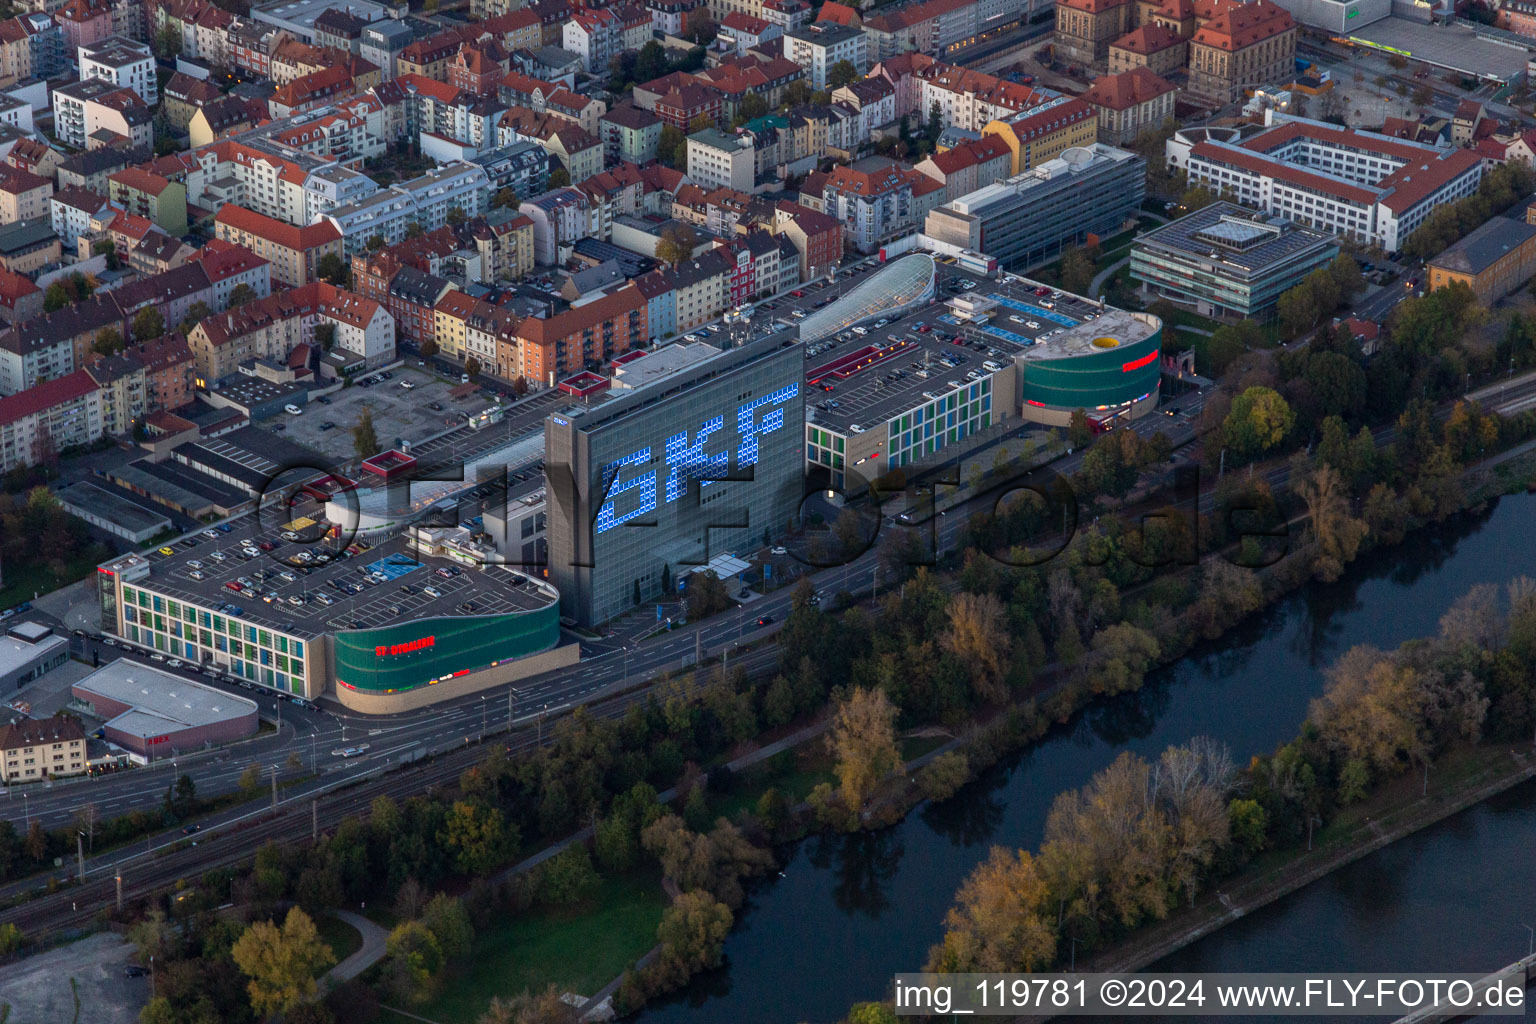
{"type": "Point", "coordinates": [890, 290]}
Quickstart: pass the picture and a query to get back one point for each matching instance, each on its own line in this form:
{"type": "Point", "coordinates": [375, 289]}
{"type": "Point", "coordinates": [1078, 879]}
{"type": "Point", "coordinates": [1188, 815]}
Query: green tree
{"type": "Point", "coordinates": [693, 930]}
{"type": "Point", "coordinates": [1079, 433]}
{"type": "Point", "coordinates": [56, 297]}
{"type": "Point", "coordinates": [472, 367]}
{"type": "Point", "coordinates": [1077, 271]}
{"type": "Point", "coordinates": [568, 878]}
{"type": "Point", "coordinates": [109, 341]}
{"type": "Point", "coordinates": [332, 268]}
{"type": "Point", "coordinates": [448, 921]}
{"type": "Point", "coordinates": [1196, 198]}
{"type": "Point", "coordinates": [413, 957]}
{"type": "Point", "coordinates": [148, 324]}
{"type": "Point", "coordinates": [559, 178]}
{"type": "Point", "coordinates": [752, 106]}
{"type": "Point", "coordinates": [477, 836]}
{"type": "Point", "coordinates": [650, 62]}
{"type": "Point", "coordinates": [196, 314]}
{"type": "Point", "coordinates": [842, 73]}
{"type": "Point", "coordinates": [1258, 421]}
{"type": "Point", "coordinates": [282, 962]}
{"type": "Point", "coordinates": [365, 440]}
{"type": "Point", "coordinates": [241, 294]}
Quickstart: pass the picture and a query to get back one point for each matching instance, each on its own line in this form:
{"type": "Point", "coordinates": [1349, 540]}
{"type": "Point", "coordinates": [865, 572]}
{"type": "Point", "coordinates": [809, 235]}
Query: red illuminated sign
{"type": "Point", "coordinates": [406, 648]}
{"type": "Point", "coordinates": [1136, 364]}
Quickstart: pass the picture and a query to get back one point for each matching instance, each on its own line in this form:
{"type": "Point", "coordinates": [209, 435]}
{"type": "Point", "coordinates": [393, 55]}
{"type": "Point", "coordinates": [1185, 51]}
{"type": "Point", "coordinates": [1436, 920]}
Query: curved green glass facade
{"type": "Point", "coordinates": [393, 659]}
{"type": "Point", "coordinates": [1110, 377]}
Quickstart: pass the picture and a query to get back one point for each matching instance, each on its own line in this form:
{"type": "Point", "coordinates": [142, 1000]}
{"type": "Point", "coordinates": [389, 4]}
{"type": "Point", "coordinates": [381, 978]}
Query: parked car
{"type": "Point", "coordinates": [293, 410]}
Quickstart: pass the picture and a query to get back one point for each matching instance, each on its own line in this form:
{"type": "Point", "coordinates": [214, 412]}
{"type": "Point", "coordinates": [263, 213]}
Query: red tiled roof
{"type": "Point", "coordinates": [915, 14]}
{"type": "Point", "coordinates": [140, 180]}
{"type": "Point", "coordinates": [1148, 39]}
{"type": "Point", "coordinates": [839, 14]}
{"type": "Point", "coordinates": [1257, 163]}
{"type": "Point", "coordinates": [301, 239]}
{"type": "Point", "coordinates": [14, 287]}
{"type": "Point", "coordinates": [1126, 90]}
{"type": "Point", "coordinates": [17, 180]}
{"type": "Point", "coordinates": [1243, 25]}
{"type": "Point", "coordinates": [1412, 184]}
{"type": "Point", "coordinates": [45, 396]}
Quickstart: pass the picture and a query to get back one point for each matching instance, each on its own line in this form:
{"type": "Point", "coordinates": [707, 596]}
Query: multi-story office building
{"type": "Point", "coordinates": [647, 484]}
{"type": "Point", "coordinates": [720, 160]}
{"type": "Point", "coordinates": [1372, 188]}
{"type": "Point", "coordinates": [1227, 261]}
{"type": "Point", "coordinates": [1088, 190]}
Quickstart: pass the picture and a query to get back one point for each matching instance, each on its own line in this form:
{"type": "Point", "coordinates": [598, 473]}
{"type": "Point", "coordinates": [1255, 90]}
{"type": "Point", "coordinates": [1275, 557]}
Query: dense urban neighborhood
{"type": "Point", "coordinates": [538, 511]}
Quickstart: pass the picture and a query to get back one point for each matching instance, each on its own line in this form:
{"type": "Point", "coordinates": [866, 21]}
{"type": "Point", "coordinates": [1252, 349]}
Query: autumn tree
{"type": "Point", "coordinates": [282, 962]}
{"type": "Point", "coordinates": [693, 930]}
{"type": "Point", "coordinates": [677, 244]}
{"type": "Point", "coordinates": [413, 958]}
{"type": "Point", "coordinates": [981, 638]}
{"type": "Point", "coordinates": [241, 294]}
{"type": "Point", "coordinates": [148, 323]}
{"type": "Point", "coordinates": [1001, 920]}
{"type": "Point", "coordinates": [472, 367]}
{"type": "Point", "coordinates": [863, 739]}
{"type": "Point", "coordinates": [546, 1007]}
{"type": "Point", "coordinates": [714, 862]}
{"type": "Point", "coordinates": [1335, 532]}
{"type": "Point", "coordinates": [1369, 712]}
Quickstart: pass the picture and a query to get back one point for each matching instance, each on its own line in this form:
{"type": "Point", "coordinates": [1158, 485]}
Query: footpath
{"type": "Point", "coordinates": [1253, 889]}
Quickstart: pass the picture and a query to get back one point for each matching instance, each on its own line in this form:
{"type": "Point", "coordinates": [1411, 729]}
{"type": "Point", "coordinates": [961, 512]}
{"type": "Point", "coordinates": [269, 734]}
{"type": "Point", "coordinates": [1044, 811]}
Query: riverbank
{"type": "Point", "coordinates": [1396, 810]}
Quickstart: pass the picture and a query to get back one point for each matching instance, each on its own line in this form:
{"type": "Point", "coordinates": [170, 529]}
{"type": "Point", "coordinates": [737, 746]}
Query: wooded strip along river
{"type": "Point", "coordinates": [852, 910]}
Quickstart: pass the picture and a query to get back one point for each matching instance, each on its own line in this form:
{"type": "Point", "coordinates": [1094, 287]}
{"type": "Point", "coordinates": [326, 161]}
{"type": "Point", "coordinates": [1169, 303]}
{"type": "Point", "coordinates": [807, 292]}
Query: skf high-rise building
{"type": "Point", "coordinates": [691, 454]}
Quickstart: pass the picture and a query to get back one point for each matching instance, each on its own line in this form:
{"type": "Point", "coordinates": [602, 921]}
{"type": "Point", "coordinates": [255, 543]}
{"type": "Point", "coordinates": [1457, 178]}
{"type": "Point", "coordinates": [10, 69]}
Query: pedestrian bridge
{"type": "Point", "coordinates": [1522, 971]}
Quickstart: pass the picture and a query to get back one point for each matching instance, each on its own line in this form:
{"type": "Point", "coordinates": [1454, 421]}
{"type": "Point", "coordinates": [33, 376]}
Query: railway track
{"type": "Point", "coordinates": [146, 874]}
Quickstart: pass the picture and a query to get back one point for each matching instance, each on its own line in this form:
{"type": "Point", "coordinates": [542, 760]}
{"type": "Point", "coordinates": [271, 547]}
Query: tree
{"type": "Point", "coordinates": [1079, 433]}
{"type": "Point", "coordinates": [1196, 198]}
{"type": "Point", "coordinates": [559, 178]}
{"type": "Point", "coordinates": [455, 216]}
{"type": "Point", "coordinates": [1000, 920]}
{"type": "Point", "coordinates": [56, 297]}
{"type": "Point", "coordinates": [546, 1007]}
{"type": "Point", "coordinates": [365, 440]}
{"type": "Point", "coordinates": [693, 930]}
{"type": "Point", "coordinates": [375, 243]}
{"type": "Point", "coordinates": [942, 777]}
{"type": "Point", "coordinates": [241, 294]}
{"type": "Point", "coordinates": [413, 957]}
{"type": "Point", "coordinates": [863, 739]}
{"type": "Point", "coordinates": [282, 963]}
{"type": "Point", "coordinates": [109, 341]}
{"type": "Point", "coordinates": [472, 367]}
{"type": "Point", "coordinates": [414, 230]}
{"type": "Point", "coordinates": [1258, 421]}
{"type": "Point", "coordinates": [250, 781]}
{"type": "Point", "coordinates": [568, 878]}
{"type": "Point", "coordinates": [1336, 533]}
{"type": "Point", "coordinates": [148, 324]}
{"type": "Point", "coordinates": [677, 244]}
{"type": "Point", "coordinates": [752, 106]}
{"type": "Point", "coordinates": [650, 62]}
{"type": "Point", "coordinates": [168, 42]}
{"type": "Point", "coordinates": [448, 921]}
{"type": "Point", "coordinates": [196, 314]}
{"type": "Point", "coordinates": [477, 836]}
{"type": "Point", "coordinates": [1077, 271]}
{"type": "Point", "coordinates": [332, 268]}
{"type": "Point", "coordinates": [108, 248]}
{"type": "Point", "coordinates": [670, 143]}
{"type": "Point", "coordinates": [980, 637]}
{"type": "Point", "coordinates": [842, 73]}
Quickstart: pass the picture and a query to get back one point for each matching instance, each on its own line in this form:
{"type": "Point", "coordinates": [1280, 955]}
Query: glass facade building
{"type": "Point", "coordinates": [648, 483]}
{"type": "Point", "coordinates": [1032, 216]}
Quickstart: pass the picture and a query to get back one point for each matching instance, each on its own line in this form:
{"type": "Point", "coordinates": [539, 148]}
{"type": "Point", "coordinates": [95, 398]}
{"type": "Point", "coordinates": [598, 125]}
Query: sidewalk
{"type": "Point", "coordinates": [370, 953]}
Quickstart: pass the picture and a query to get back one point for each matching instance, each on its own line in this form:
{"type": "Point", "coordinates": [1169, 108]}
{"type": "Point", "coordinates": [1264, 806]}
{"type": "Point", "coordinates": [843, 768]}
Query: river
{"type": "Point", "coordinates": [850, 911]}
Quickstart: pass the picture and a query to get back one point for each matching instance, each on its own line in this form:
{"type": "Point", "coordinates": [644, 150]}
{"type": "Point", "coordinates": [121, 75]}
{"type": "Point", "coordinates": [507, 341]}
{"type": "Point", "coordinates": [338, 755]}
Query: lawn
{"type": "Point", "coordinates": [914, 747]}
{"type": "Point", "coordinates": [793, 773]}
{"type": "Point", "coordinates": [23, 582]}
{"type": "Point", "coordinates": [343, 939]}
{"type": "Point", "coordinates": [579, 950]}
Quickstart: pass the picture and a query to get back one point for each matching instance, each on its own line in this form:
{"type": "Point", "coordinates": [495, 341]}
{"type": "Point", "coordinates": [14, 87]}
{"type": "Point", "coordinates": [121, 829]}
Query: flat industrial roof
{"type": "Point", "coordinates": [494, 589]}
{"type": "Point", "coordinates": [1244, 241]}
{"type": "Point", "coordinates": [1454, 47]}
{"type": "Point", "coordinates": [109, 506]}
{"type": "Point", "coordinates": [161, 699]}
{"type": "Point", "coordinates": [15, 654]}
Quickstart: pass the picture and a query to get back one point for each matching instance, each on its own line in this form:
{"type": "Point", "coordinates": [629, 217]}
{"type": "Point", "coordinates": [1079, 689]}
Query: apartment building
{"type": "Point", "coordinates": [720, 160]}
{"type": "Point", "coordinates": [84, 108]}
{"type": "Point", "coordinates": [293, 253]}
{"type": "Point", "coordinates": [124, 63]}
{"type": "Point", "coordinates": [38, 423]}
{"type": "Point", "coordinates": [424, 201]}
{"type": "Point", "coordinates": [876, 206]}
{"type": "Point", "coordinates": [35, 749]}
{"type": "Point", "coordinates": [23, 195]}
{"type": "Point", "coordinates": [272, 327]}
{"type": "Point", "coordinates": [819, 46]}
{"type": "Point", "coordinates": [1129, 103]}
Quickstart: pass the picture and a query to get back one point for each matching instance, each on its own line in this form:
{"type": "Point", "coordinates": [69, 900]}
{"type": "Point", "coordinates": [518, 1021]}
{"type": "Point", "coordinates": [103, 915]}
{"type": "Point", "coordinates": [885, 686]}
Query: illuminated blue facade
{"type": "Point", "coordinates": [649, 483]}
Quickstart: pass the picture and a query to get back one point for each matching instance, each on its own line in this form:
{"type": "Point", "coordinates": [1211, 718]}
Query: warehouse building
{"type": "Point", "coordinates": [29, 650]}
{"type": "Point", "coordinates": [645, 483]}
{"type": "Point", "coordinates": [155, 714]}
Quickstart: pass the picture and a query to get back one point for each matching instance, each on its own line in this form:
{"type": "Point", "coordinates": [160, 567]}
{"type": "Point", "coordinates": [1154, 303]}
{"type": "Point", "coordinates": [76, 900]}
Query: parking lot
{"type": "Point", "coordinates": [398, 412]}
{"type": "Point", "coordinates": [289, 587]}
{"type": "Point", "coordinates": [38, 990]}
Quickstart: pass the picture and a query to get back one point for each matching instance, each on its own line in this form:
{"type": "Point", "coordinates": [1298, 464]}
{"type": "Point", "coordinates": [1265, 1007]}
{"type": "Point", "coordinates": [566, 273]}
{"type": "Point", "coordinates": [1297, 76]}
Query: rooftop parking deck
{"type": "Point", "coordinates": [342, 592]}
